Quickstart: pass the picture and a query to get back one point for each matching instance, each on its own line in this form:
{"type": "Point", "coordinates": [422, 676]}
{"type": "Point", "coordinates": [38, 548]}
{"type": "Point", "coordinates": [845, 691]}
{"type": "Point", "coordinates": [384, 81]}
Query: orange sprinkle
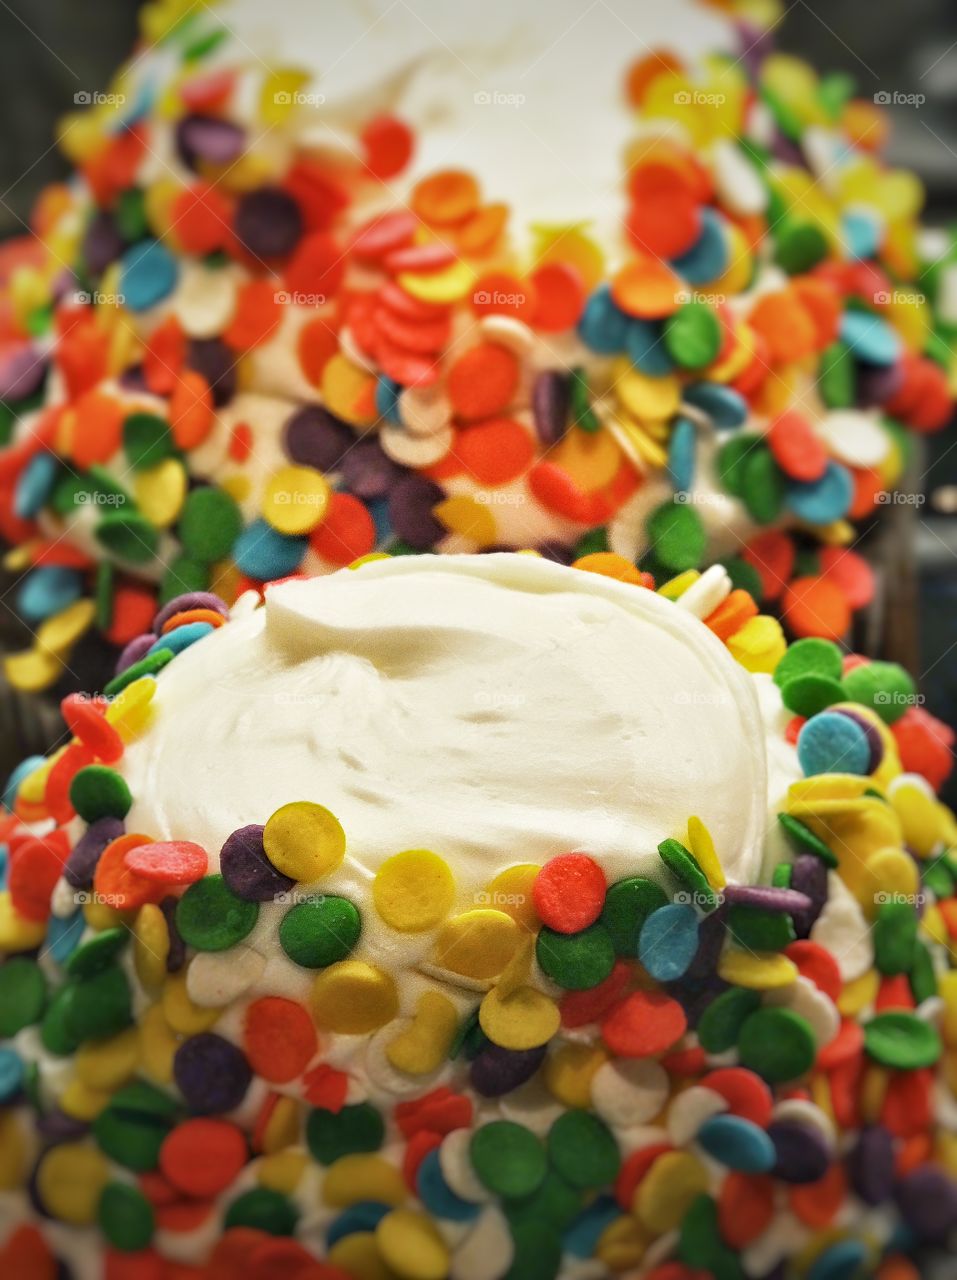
{"type": "Point", "coordinates": [496, 451]}
{"type": "Point", "coordinates": [317, 344]}
{"type": "Point", "coordinates": [200, 218]}
{"type": "Point", "coordinates": [498, 293]}
{"type": "Point", "coordinates": [561, 297]}
{"type": "Point", "coordinates": [164, 356]}
{"type": "Point", "coordinates": [279, 1038]}
{"type": "Point", "coordinates": [647, 289]}
{"type": "Point", "coordinates": [133, 609]}
{"type": "Point", "coordinates": [191, 410]}
{"type": "Point", "coordinates": [868, 485]}
{"type": "Point", "coordinates": [446, 198]}
{"type": "Point", "coordinates": [26, 1256]}
{"type": "Point", "coordinates": [772, 554]}
{"type": "Point", "coordinates": [118, 886]}
{"type": "Point", "coordinates": [315, 271]}
{"type": "Point", "coordinates": [388, 146]}
{"type": "Point", "coordinates": [347, 530]}
{"type": "Point", "coordinates": [822, 302]}
{"type": "Point", "coordinates": [483, 381]}
{"type": "Point", "coordinates": [98, 429]}
{"type": "Point", "coordinates": [815, 606]}
{"type": "Point", "coordinates": [745, 1208]}
{"type": "Point", "coordinates": [818, 1203]}
{"type": "Point", "coordinates": [645, 70]}
{"type": "Point", "coordinates": [193, 615]}
{"type": "Point", "coordinates": [241, 442]}
{"type": "Point", "coordinates": [731, 615]}
{"type": "Point", "coordinates": [785, 325]}
{"type": "Point", "coordinates": [609, 565]}
{"type": "Point", "coordinates": [483, 230]}
{"type": "Point", "coordinates": [257, 315]}
{"type": "Point", "coordinates": [797, 448]}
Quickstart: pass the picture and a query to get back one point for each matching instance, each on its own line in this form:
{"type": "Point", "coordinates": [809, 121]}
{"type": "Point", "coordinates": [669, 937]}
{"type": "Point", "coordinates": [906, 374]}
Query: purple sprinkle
{"type": "Point", "coordinates": [217, 364]}
{"type": "Point", "coordinates": [207, 138]}
{"type": "Point", "coordinates": [21, 373]}
{"type": "Point", "coordinates": [176, 956]}
{"type": "Point", "coordinates": [876, 384]}
{"type": "Point", "coordinates": [809, 876]}
{"type": "Point", "coordinates": [927, 1199]}
{"type": "Point", "coordinates": [191, 600]}
{"type": "Point", "coordinates": [555, 551]}
{"type": "Point", "coordinates": [212, 1074]}
{"type": "Point", "coordinates": [137, 648]}
{"type": "Point", "coordinates": [870, 1165]}
{"type": "Point", "coordinates": [711, 936]}
{"type": "Point", "coordinates": [874, 742]}
{"type": "Point", "coordinates": [786, 150]}
{"type": "Point", "coordinates": [496, 1071]}
{"type": "Point", "coordinates": [246, 868]}
{"type": "Point", "coordinates": [314, 437]}
{"type": "Point", "coordinates": [768, 898]}
{"type": "Point", "coordinates": [802, 1154]}
{"type": "Point", "coordinates": [102, 243]}
{"type": "Point", "coordinates": [550, 404]}
{"type": "Point", "coordinates": [696, 996]}
{"type": "Point", "coordinates": [411, 503]}
{"type": "Point", "coordinates": [268, 222]}
{"type": "Point", "coordinates": [367, 472]}
{"type": "Point", "coordinates": [134, 379]}
{"type": "Point", "coordinates": [82, 861]}
{"type": "Point", "coordinates": [56, 1126]}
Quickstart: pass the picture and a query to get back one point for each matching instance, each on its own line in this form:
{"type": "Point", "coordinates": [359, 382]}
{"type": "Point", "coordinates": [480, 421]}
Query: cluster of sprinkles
{"type": "Point", "coordinates": [221, 369]}
{"type": "Point", "coordinates": [666, 1075]}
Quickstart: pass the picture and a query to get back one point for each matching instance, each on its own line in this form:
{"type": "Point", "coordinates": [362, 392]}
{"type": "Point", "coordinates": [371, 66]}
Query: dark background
{"type": "Point", "coordinates": [50, 50]}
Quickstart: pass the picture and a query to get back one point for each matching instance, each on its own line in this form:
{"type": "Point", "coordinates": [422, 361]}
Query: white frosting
{"type": "Point", "coordinates": [496, 709]}
{"type": "Point", "coordinates": [528, 97]}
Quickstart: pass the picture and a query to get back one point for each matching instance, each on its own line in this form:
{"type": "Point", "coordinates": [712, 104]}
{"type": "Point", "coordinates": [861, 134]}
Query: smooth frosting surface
{"type": "Point", "coordinates": [497, 709]}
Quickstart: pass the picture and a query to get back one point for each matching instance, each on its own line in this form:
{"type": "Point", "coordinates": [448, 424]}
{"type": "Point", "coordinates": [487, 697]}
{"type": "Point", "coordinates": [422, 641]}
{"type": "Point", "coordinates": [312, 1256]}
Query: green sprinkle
{"type": "Point", "coordinates": [800, 246]}
{"type": "Point", "coordinates": [351, 1131]}
{"type": "Point", "coordinates": [809, 694]}
{"type": "Point", "coordinates": [537, 1251]}
{"type": "Point", "coordinates": [103, 594]}
{"type": "Point", "coordinates": [101, 1006]}
{"type": "Point", "coordinates": [508, 1159]}
{"type": "Point", "coordinates": [128, 536]}
{"type": "Point", "coordinates": [55, 1033]}
{"type": "Point", "coordinates": [763, 486]}
{"type": "Point", "coordinates": [263, 1210]}
{"type": "Point", "coordinates": [148, 666]}
{"type": "Point", "coordinates": [684, 867]}
{"type": "Point", "coordinates": [183, 574]}
{"type": "Point", "coordinates": [744, 576]}
{"type": "Point", "coordinates": [923, 978]}
{"type": "Point", "coordinates": [126, 1217]}
{"type": "Point", "coordinates": [210, 917]}
{"type": "Point", "coordinates": [895, 937]}
{"type": "Point", "coordinates": [781, 875]}
{"type": "Point", "coordinates": [837, 377]}
{"type": "Point", "coordinates": [23, 994]}
{"type": "Point", "coordinates": [628, 904]}
{"type": "Point", "coordinates": [576, 961]}
{"type": "Point", "coordinates": [99, 792]}
{"type": "Point", "coordinates": [147, 440]}
{"type": "Point", "coordinates": [97, 954]}
{"type": "Point", "coordinates": [721, 1023]}
{"type": "Point", "coordinates": [731, 460]}
{"type": "Point", "coordinates": [902, 1040]}
{"type": "Point", "coordinates": [809, 657]}
{"type": "Point", "coordinates": [320, 932]}
{"type": "Point", "coordinates": [759, 930]}
{"type": "Point", "coordinates": [583, 1150]}
{"type": "Point", "coordinates": [677, 536]}
{"type": "Point", "coordinates": [778, 1044]}
{"type": "Point", "coordinates": [209, 524]}
{"type": "Point", "coordinates": [804, 840]}
{"type": "Point", "coordinates": [885, 687]}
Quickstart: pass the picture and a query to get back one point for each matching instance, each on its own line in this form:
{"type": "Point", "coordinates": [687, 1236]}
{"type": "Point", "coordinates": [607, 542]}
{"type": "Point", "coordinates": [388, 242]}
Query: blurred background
{"type": "Point", "coordinates": [49, 50]}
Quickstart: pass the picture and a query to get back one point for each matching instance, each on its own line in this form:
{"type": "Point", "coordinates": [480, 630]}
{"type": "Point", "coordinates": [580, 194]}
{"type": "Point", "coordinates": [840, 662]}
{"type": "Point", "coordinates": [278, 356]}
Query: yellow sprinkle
{"type": "Point", "coordinates": [917, 809]}
{"type": "Point", "coordinates": [469, 518]}
{"type": "Point", "coordinates": [295, 499]}
{"type": "Point", "coordinates": [858, 994]}
{"type": "Point", "coordinates": [872, 1092]}
{"type": "Point", "coordinates": [304, 841]}
{"type": "Point", "coordinates": [60, 633]}
{"type": "Point", "coordinates": [107, 1064]}
{"type": "Point", "coordinates": [150, 946]}
{"type": "Point", "coordinates": [348, 392]}
{"type": "Point", "coordinates": [478, 944]}
{"type": "Point", "coordinates": [448, 285]}
{"type": "Point", "coordinates": [424, 1046]}
{"type": "Point", "coordinates": [702, 846]}
{"type": "Point", "coordinates": [414, 890]}
{"type": "Point", "coordinates": [362, 1177]}
{"type": "Point", "coordinates": [282, 1172]}
{"type": "Point", "coordinates": [158, 1046]}
{"type": "Point", "coordinates": [353, 998]}
{"type": "Point", "coordinates": [160, 491]}
{"type": "Point", "coordinates": [935, 926]}
{"type": "Point", "coordinates": [13, 1150]}
{"type": "Point", "coordinates": [410, 1243]}
{"type": "Point", "coordinates": [668, 1189]}
{"type": "Point", "coordinates": [895, 872]}
{"type": "Point", "coordinates": [763, 971]}
{"type": "Point", "coordinates": [759, 645]}
{"type": "Point", "coordinates": [947, 990]}
{"type": "Point", "coordinates": [371, 558]}
{"type": "Point", "coordinates": [184, 1017]}
{"type": "Point", "coordinates": [358, 1255]}
{"type": "Point", "coordinates": [100, 916]}
{"type": "Point", "coordinates": [591, 458]}
{"type": "Point", "coordinates": [31, 671]}
{"type": "Point", "coordinates": [17, 934]}
{"type": "Point", "coordinates": [516, 972]}
{"type": "Point", "coordinates": [279, 96]}
{"type": "Point", "coordinates": [643, 396]}
{"type": "Point", "coordinates": [622, 1245]}
{"type": "Point", "coordinates": [525, 1019]}
{"type": "Point", "coordinates": [569, 1070]}
{"type": "Point", "coordinates": [511, 892]}
{"type": "Point", "coordinates": [83, 1103]}
{"type": "Point", "coordinates": [70, 1181]}
{"type": "Point", "coordinates": [283, 1126]}
{"type": "Point", "coordinates": [675, 588]}
{"type": "Point", "coordinates": [129, 711]}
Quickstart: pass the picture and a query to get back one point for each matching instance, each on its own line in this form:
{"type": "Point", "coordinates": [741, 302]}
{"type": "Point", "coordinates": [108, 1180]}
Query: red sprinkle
{"type": "Point", "coordinates": [569, 892]}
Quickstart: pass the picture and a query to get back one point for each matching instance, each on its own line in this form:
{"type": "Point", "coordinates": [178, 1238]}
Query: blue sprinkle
{"type": "Point", "coordinates": [737, 1143]}
{"type": "Point", "coordinates": [871, 339]}
{"type": "Point", "coordinates": [833, 743]}
{"type": "Point", "coordinates": [708, 256]}
{"type": "Point", "coordinates": [64, 935]}
{"type": "Point", "coordinates": [668, 941]}
{"type": "Point", "coordinates": [181, 638]}
{"type": "Point", "coordinates": [842, 1261]}
{"type": "Point", "coordinates": [862, 233]}
{"type": "Point", "coordinates": [11, 1074]}
{"type": "Point", "coordinates": [681, 454]}
{"type": "Point", "coordinates": [822, 501]}
{"type": "Point", "coordinates": [364, 1215]}
{"type": "Point", "coordinates": [646, 349]}
{"type": "Point", "coordinates": [438, 1197]}
{"type": "Point", "coordinates": [35, 485]}
{"type": "Point", "coordinates": [582, 1236]}
{"type": "Point", "coordinates": [23, 769]}
{"type": "Point", "coordinates": [148, 273]}
{"type": "Point", "coordinates": [264, 553]}
{"type": "Point", "coordinates": [723, 405]}
{"type": "Point", "coordinates": [379, 510]}
{"type": "Point", "coordinates": [4, 865]}
{"type": "Point", "coordinates": [47, 590]}
{"type": "Point", "coordinates": [602, 326]}
{"type": "Point", "coordinates": [387, 399]}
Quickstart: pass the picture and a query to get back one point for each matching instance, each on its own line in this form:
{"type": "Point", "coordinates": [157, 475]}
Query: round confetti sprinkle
{"type": "Point", "coordinates": [320, 931]}
{"type": "Point", "coordinates": [304, 841]}
{"type": "Point", "coordinates": [413, 891]}
{"type": "Point", "coordinates": [776, 1044]}
{"type": "Point", "coordinates": [508, 1159]}
{"type": "Point", "coordinates": [210, 917]}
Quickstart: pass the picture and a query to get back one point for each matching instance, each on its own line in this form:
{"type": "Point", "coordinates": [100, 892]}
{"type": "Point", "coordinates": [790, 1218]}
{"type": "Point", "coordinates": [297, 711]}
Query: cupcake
{"type": "Point", "coordinates": [476, 287]}
{"type": "Point", "coordinates": [480, 918]}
